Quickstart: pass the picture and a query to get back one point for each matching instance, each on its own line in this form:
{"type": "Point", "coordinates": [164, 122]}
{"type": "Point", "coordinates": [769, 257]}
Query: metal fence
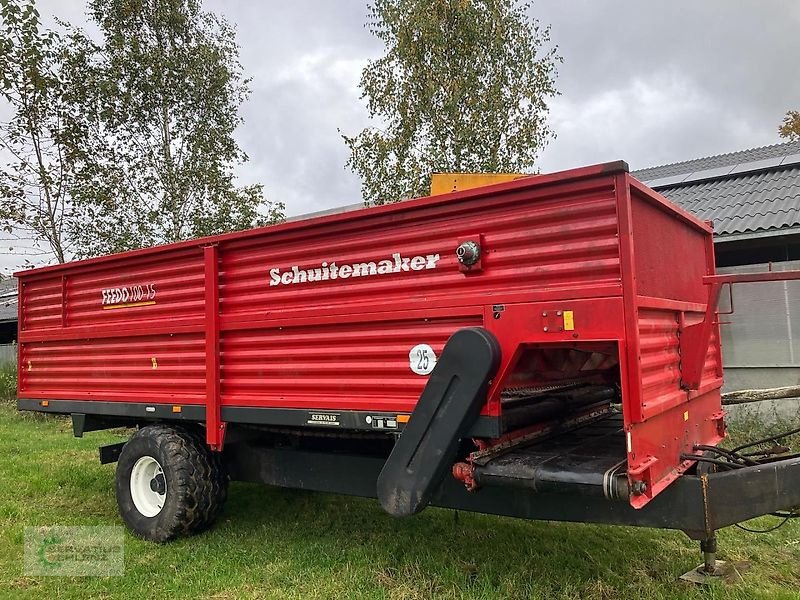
{"type": "Point", "coordinates": [761, 339]}
{"type": "Point", "coordinates": [8, 353]}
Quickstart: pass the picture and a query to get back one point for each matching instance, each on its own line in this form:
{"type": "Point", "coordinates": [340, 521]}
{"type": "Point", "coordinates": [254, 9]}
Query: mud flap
{"type": "Point", "coordinates": [449, 404]}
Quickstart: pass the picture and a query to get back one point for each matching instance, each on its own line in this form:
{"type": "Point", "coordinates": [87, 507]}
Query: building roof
{"type": "Point", "coordinates": [8, 300]}
{"type": "Point", "coordinates": [750, 193]}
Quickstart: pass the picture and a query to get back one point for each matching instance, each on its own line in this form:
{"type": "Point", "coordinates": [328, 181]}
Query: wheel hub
{"type": "Point", "coordinates": [148, 486]}
{"type": "Point", "coordinates": [158, 484]}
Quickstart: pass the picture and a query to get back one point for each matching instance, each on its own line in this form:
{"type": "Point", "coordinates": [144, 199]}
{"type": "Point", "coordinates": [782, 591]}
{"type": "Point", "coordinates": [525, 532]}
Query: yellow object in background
{"type": "Point", "coordinates": [444, 183]}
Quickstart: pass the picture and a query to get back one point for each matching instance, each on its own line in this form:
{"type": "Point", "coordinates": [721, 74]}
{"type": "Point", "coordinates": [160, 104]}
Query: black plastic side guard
{"type": "Point", "coordinates": [449, 404]}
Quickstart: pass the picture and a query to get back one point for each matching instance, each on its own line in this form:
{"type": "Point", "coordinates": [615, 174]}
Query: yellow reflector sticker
{"type": "Point", "coordinates": [176, 409]}
{"type": "Point", "coordinates": [686, 415]}
{"type": "Point", "coordinates": [403, 418]}
{"type": "Point", "coordinates": [569, 321]}
{"type": "Point", "coordinates": [130, 305]}
{"type": "Point", "coordinates": [155, 362]}
{"type": "Point", "coordinates": [45, 403]}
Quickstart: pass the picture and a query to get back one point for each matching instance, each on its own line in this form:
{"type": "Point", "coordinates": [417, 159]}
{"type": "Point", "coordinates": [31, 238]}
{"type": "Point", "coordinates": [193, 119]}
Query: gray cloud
{"type": "Point", "coordinates": [662, 82]}
{"type": "Point", "coordinates": [648, 82]}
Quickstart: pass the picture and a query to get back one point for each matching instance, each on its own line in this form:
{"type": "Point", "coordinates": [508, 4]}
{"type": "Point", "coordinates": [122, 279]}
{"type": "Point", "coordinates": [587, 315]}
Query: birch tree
{"type": "Point", "coordinates": [463, 86]}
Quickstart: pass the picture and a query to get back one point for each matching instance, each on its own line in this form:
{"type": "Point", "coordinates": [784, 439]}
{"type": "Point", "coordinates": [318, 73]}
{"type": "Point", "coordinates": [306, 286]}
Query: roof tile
{"type": "Point", "coordinates": [751, 202]}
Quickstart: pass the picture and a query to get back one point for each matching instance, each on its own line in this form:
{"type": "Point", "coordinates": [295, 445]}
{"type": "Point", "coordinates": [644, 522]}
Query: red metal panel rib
{"type": "Point", "coordinates": [215, 429]}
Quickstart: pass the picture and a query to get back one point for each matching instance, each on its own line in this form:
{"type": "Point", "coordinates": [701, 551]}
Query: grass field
{"type": "Point", "coordinates": [274, 543]}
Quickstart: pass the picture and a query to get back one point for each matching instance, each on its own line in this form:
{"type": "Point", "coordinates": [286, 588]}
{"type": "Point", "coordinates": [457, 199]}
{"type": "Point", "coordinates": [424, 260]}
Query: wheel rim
{"type": "Point", "coordinates": [148, 486]}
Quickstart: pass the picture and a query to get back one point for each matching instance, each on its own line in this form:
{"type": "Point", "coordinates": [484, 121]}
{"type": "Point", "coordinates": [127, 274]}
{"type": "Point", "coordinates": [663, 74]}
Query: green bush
{"type": "Point", "coordinates": [8, 382]}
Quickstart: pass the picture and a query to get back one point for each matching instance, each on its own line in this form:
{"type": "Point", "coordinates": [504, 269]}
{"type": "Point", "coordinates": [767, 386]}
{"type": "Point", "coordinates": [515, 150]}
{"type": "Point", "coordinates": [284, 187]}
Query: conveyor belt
{"type": "Point", "coordinates": [589, 459]}
{"type": "Point", "coordinates": [554, 403]}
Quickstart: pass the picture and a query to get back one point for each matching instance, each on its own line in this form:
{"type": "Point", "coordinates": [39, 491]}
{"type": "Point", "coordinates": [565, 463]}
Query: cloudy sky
{"type": "Point", "coordinates": [647, 82]}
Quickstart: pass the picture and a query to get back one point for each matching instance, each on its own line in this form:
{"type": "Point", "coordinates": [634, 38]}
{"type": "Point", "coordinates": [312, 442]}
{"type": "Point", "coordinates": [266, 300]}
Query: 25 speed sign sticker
{"type": "Point", "coordinates": [422, 359]}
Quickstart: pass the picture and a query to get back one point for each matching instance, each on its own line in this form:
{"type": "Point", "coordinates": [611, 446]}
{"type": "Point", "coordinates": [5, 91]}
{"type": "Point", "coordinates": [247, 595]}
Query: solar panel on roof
{"type": "Point", "coordinates": [655, 183]}
{"type": "Point", "coordinates": [752, 155]}
{"type": "Point", "coordinates": [708, 173]}
{"type": "Point", "coordinates": [791, 159]}
{"type": "Point", "coordinates": [757, 165]}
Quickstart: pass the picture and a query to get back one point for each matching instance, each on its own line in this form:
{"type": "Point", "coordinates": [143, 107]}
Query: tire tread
{"type": "Point", "coordinates": [198, 484]}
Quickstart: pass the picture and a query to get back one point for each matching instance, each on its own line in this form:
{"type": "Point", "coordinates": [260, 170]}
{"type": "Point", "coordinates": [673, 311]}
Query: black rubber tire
{"type": "Point", "coordinates": [197, 485]}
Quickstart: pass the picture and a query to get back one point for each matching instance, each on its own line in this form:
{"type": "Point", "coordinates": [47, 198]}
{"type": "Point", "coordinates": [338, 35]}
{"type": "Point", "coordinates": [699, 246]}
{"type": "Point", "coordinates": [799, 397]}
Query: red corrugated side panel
{"type": "Point", "coordinates": [130, 329]}
{"type": "Point", "coordinates": [345, 343]}
{"type": "Point", "coordinates": [671, 253]}
{"type": "Point", "coordinates": [333, 343]}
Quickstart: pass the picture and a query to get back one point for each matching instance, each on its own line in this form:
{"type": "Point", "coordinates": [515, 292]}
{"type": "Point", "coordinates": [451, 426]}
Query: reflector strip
{"type": "Point", "coordinates": [130, 305]}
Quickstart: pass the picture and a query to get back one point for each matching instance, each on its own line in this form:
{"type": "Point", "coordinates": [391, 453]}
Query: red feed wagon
{"type": "Point", "coordinates": [544, 348]}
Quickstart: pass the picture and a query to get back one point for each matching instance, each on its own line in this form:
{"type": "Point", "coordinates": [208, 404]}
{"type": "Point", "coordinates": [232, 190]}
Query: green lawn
{"type": "Point", "coordinates": [274, 543]}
